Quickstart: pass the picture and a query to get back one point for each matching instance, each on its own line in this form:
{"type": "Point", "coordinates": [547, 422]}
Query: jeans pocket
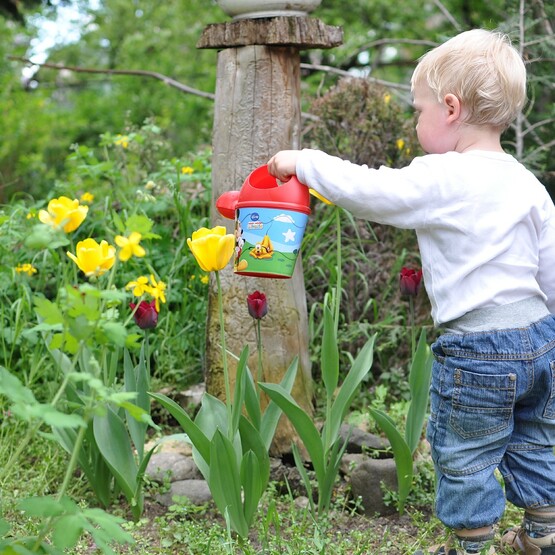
{"type": "Point", "coordinates": [549, 411]}
{"type": "Point", "coordinates": [482, 403]}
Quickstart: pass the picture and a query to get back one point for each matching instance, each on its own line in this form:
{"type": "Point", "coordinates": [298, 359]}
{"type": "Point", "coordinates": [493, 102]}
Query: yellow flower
{"type": "Point", "coordinates": [157, 291]}
{"type": "Point", "coordinates": [187, 170]}
{"type": "Point", "coordinates": [387, 98]}
{"type": "Point", "coordinates": [27, 268]}
{"type": "Point", "coordinates": [93, 259]}
{"type": "Point", "coordinates": [204, 279]}
{"type": "Point", "coordinates": [400, 144]}
{"type": "Point", "coordinates": [130, 246]}
{"type": "Point", "coordinates": [140, 286]}
{"type": "Point", "coordinates": [64, 213]}
{"type": "Point", "coordinates": [316, 194]}
{"type": "Point", "coordinates": [32, 214]}
{"type": "Point", "coordinates": [212, 248]}
{"type": "Point", "coordinates": [122, 140]}
{"type": "Point", "coordinates": [87, 197]}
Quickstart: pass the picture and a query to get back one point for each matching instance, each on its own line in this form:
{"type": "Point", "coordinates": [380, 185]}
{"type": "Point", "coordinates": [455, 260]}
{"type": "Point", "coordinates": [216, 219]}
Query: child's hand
{"type": "Point", "coordinates": [283, 164]}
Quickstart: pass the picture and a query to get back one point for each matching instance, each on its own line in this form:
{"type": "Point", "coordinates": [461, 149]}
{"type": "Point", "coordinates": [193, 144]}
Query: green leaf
{"type": "Point", "coordinates": [4, 527]}
{"type": "Point", "coordinates": [43, 236]}
{"type": "Point", "coordinates": [48, 311]}
{"type": "Point", "coordinates": [67, 530]}
{"type": "Point", "coordinates": [272, 414]}
{"type": "Point", "coordinates": [252, 402]}
{"type": "Point", "coordinates": [114, 332]}
{"type": "Point", "coordinates": [419, 382]}
{"type": "Point", "coordinates": [136, 379]}
{"type": "Point", "coordinates": [225, 483]}
{"type": "Point", "coordinates": [47, 506]}
{"type": "Point", "coordinates": [251, 440]}
{"type": "Point", "coordinates": [401, 452]}
{"type": "Point", "coordinates": [107, 526]}
{"type": "Point", "coordinates": [253, 485]}
{"type": "Point", "coordinates": [114, 444]}
{"type": "Point", "coordinates": [49, 415]}
{"type": "Point", "coordinates": [360, 368]}
{"type": "Point", "coordinates": [196, 435]}
{"type": "Point", "coordinates": [329, 359]}
{"type": "Point", "coordinates": [301, 422]}
{"type": "Point", "coordinates": [239, 393]}
{"type": "Point", "coordinates": [12, 388]}
{"type": "Point", "coordinates": [326, 487]}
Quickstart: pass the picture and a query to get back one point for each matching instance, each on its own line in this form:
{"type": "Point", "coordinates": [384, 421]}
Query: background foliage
{"type": "Point", "coordinates": [46, 111]}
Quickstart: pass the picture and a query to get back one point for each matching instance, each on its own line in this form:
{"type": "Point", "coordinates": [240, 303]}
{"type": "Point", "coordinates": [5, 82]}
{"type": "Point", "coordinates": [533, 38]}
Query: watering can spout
{"type": "Point", "coordinates": [227, 203]}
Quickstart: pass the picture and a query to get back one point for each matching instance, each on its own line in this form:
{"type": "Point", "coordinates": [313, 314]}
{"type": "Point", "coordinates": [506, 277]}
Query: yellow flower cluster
{"type": "Point", "coordinates": [122, 140]}
{"type": "Point", "coordinates": [142, 286]}
{"type": "Point", "coordinates": [130, 246]}
{"type": "Point", "coordinates": [26, 268]}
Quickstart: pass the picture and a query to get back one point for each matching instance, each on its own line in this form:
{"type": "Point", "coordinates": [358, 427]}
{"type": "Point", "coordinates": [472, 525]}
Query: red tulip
{"type": "Point", "coordinates": [146, 315]}
{"type": "Point", "coordinates": [409, 281]}
{"type": "Point", "coordinates": [257, 304]}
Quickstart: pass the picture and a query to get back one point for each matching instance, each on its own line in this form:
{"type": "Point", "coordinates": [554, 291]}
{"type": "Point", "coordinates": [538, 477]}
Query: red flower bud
{"type": "Point", "coordinates": [146, 315]}
{"type": "Point", "coordinates": [409, 281]}
{"type": "Point", "coordinates": [257, 304]}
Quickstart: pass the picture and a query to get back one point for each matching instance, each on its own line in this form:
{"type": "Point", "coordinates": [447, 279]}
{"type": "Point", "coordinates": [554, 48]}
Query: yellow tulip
{"type": "Point", "coordinates": [212, 248]}
{"type": "Point", "coordinates": [130, 246]}
{"type": "Point", "coordinates": [93, 259]}
{"type": "Point", "coordinates": [64, 213]}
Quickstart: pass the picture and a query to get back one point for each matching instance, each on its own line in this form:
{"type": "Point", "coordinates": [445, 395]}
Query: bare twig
{"type": "Point", "coordinates": [342, 72]}
{"type": "Point", "coordinates": [136, 72]}
{"type": "Point", "coordinates": [448, 15]}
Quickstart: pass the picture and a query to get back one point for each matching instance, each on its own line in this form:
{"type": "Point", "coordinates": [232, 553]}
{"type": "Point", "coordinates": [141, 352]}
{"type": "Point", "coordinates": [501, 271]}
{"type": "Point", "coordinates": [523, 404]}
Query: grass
{"type": "Point", "coordinates": [284, 524]}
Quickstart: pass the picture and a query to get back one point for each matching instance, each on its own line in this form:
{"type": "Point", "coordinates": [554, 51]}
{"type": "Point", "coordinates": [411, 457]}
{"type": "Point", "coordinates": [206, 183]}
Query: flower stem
{"type": "Point", "coordinates": [259, 376]}
{"type": "Point", "coordinates": [224, 358]}
{"type": "Point", "coordinates": [412, 327]}
{"type": "Point", "coordinates": [338, 270]}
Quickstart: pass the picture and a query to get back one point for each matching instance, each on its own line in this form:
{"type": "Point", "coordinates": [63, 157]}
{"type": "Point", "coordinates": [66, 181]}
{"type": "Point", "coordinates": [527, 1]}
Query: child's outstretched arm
{"type": "Point", "coordinates": [283, 164]}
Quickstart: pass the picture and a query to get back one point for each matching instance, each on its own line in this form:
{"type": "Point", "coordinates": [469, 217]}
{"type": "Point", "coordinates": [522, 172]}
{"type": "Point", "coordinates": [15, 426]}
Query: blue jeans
{"type": "Point", "coordinates": [493, 406]}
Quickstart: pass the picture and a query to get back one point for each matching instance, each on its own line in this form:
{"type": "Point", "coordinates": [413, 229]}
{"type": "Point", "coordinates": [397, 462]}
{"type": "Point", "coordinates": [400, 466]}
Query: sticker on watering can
{"type": "Point", "coordinates": [267, 241]}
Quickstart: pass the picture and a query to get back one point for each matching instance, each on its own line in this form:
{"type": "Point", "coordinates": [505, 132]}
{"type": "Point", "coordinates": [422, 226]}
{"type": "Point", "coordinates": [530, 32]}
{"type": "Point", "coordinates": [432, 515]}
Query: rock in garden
{"type": "Point", "coordinates": [172, 466]}
{"type": "Point", "coordinates": [366, 483]}
{"type": "Point", "coordinates": [196, 491]}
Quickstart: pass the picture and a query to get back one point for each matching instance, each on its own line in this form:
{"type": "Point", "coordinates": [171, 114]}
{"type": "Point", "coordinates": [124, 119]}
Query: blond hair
{"type": "Point", "coordinates": [483, 70]}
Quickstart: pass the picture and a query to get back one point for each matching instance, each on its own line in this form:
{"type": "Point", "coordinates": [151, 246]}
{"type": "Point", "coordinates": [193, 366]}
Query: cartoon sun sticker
{"type": "Point", "coordinates": [264, 249]}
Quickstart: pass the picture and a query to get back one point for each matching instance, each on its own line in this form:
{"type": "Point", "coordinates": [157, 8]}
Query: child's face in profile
{"type": "Point", "coordinates": [433, 133]}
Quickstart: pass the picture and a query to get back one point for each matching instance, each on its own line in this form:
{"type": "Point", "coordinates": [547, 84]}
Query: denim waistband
{"type": "Point", "coordinates": [519, 314]}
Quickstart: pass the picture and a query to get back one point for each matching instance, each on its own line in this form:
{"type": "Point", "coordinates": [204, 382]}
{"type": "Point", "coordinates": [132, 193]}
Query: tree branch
{"type": "Point", "coordinates": [136, 72]}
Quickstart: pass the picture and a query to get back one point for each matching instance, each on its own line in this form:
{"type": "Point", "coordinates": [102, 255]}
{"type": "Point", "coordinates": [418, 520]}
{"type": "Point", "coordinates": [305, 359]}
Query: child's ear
{"type": "Point", "coordinates": [454, 108]}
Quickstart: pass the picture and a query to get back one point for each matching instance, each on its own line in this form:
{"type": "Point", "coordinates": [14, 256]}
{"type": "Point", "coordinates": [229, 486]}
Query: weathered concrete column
{"type": "Point", "coordinates": [257, 113]}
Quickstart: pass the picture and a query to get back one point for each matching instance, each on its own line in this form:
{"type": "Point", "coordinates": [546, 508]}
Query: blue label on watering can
{"type": "Point", "coordinates": [267, 241]}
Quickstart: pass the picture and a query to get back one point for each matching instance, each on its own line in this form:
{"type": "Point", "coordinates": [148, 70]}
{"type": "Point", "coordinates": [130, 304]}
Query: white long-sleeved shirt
{"type": "Point", "coordinates": [485, 225]}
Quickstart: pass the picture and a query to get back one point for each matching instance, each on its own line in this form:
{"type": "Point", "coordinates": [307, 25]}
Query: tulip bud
{"type": "Point", "coordinates": [257, 305]}
{"type": "Point", "coordinates": [146, 315]}
{"type": "Point", "coordinates": [409, 282]}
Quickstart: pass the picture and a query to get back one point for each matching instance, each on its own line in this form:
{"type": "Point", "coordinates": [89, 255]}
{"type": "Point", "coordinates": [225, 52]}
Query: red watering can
{"type": "Point", "coordinates": [270, 219]}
